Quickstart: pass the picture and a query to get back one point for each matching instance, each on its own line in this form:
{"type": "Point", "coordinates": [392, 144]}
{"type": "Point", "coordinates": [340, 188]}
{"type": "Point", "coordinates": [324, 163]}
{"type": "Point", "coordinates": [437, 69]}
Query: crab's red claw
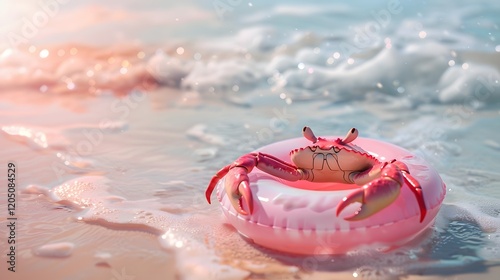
{"type": "Point", "coordinates": [246, 197]}
{"type": "Point", "coordinates": [236, 184]}
{"type": "Point", "coordinates": [373, 197]}
{"type": "Point", "coordinates": [238, 191]}
{"type": "Point", "coordinates": [356, 196]}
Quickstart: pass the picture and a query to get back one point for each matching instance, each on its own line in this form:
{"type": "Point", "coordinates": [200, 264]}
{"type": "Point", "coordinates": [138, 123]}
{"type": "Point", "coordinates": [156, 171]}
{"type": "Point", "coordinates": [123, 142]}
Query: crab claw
{"type": "Point", "coordinates": [238, 190]}
{"type": "Point", "coordinates": [374, 196]}
{"type": "Point", "coordinates": [236, 184]}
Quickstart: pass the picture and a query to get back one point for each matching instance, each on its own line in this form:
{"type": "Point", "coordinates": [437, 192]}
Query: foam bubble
{"type": "Point", "coordinates": [221, 76]}
{"type": "Point", "coordinates": [471, 86]}
{"type": "Point", "coordinates": [258, 38]}
{"type": "Point", "coordinates": [55, 250]}
{"type": "Point", "coordinates": [36, 138]}
{"type": "Point", "coordinates": [168, 70]}
{"type": "Point", "coordinates": [199, 132]}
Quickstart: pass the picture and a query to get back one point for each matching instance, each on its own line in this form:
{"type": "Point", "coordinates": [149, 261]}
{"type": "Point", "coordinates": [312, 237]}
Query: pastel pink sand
{"type": "Point", "coordinates": [299, 217]}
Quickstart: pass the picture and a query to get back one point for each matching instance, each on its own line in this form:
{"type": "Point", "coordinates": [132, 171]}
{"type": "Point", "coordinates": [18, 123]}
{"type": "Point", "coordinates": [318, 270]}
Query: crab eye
{"type": "Point", "coordinates": [308, 134]}
{"type": "Point", "coordinates": [351, 135]}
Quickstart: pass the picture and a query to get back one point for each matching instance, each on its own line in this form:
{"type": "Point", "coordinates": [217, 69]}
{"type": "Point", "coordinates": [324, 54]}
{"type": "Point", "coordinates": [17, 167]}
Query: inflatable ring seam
{"type": "Point", "coordinates": [331, 229]}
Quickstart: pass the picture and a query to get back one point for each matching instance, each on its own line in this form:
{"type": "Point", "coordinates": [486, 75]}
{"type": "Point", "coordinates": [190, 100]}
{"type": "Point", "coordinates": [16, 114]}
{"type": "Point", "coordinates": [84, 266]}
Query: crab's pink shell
{"type": "Point", "coordinates": [299, 217]}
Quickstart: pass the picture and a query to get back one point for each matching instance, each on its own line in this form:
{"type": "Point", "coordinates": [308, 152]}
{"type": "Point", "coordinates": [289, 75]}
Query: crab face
{"type": "Point", "coordinates": [330, 159]}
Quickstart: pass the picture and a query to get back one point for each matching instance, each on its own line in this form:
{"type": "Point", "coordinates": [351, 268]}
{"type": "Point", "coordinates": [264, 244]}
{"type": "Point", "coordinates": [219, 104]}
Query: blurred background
{"type": "Point", "coordinates": [118, 113]}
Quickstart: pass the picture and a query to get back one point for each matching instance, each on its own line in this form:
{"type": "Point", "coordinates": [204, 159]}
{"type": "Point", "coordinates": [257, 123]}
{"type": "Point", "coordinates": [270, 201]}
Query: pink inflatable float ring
{"type": "Point", "coordinates": [330, 195]}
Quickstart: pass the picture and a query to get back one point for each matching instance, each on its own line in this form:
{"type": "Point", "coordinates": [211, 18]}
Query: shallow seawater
{"type": "Point", "coordinates": [117, 115]}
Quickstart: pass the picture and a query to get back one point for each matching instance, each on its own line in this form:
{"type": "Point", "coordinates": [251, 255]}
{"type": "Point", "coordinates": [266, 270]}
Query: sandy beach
{"type": "Point", "coordinates": [115, 116]}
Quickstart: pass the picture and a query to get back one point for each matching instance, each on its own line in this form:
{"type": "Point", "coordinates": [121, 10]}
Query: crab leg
{"type": "Point", "coordinates": [215, 179]}
{"type": "Point", "coordinates": [279, 168]}
{"type": "Point", "coordinates": [414, 187]}
{"type": "Point", "coordinates": [237, 182]}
